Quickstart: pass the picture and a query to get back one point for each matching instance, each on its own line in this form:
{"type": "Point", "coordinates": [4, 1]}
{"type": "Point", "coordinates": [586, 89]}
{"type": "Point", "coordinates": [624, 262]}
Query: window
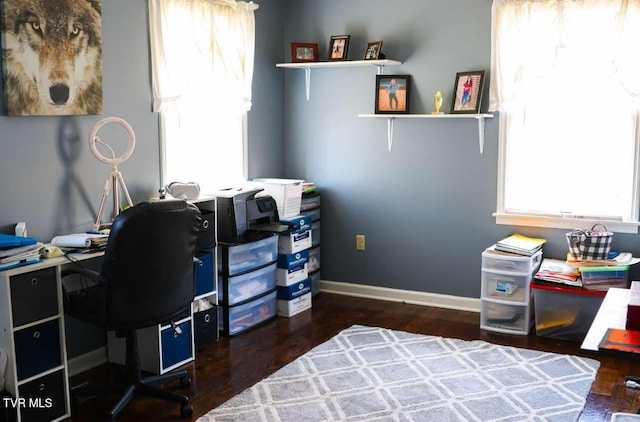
{"type": "Point", "coordinates": [202, 55]}
{"type": "Point", "coordinates": [563, 80]}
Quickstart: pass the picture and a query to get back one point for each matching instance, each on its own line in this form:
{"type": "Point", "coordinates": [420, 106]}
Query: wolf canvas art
{"type": "Point", "coordinates": [52, 57]}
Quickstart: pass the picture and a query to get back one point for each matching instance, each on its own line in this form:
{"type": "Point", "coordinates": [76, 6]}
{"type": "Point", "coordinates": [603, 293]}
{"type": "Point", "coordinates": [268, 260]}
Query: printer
{"type": "Point", "coordinates": [243, 217]}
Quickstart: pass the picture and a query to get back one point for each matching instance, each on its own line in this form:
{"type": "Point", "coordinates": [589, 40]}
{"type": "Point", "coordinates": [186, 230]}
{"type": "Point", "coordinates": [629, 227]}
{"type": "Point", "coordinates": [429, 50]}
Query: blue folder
{"type": "Point", "coordinates": [11, 241]}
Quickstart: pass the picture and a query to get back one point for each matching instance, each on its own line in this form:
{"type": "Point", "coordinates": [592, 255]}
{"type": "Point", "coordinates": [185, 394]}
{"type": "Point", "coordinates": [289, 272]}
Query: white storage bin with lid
{"type": "Point", "coordinates": [506, 285]}
{"type": "Point", "coordinates": [286, 192]}
{"type": "Point", "coordinates": [236, 259]}
{"type": "Point", "coordinates": [505, 317]}
{"type": "Point", "coordinates": [248, 285]}
{"type": "Point", "coordinates": [514, 263]}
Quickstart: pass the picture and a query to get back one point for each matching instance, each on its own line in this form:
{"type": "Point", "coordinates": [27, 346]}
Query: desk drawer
{"type": "Point", "coordinates": [37, 349]}
{"type": "Point", "coordinates": [46, 398]}
{"type": "Point", "coordinates": [34, 296]}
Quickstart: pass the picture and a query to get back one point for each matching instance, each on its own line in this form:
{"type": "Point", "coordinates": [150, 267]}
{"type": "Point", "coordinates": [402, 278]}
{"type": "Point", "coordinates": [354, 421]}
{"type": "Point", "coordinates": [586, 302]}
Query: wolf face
{"type": "Point", "coordinates": [53, 57]}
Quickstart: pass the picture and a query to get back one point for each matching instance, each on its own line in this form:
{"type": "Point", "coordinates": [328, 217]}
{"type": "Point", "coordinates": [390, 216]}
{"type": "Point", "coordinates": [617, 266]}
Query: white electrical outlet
{"type": "Point", "coordinates": [360, 245]}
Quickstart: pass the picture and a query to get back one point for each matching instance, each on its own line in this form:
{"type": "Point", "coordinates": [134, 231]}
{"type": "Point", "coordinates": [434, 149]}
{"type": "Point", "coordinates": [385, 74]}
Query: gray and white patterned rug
{"type": "Point", "coordinates": [376, 374]}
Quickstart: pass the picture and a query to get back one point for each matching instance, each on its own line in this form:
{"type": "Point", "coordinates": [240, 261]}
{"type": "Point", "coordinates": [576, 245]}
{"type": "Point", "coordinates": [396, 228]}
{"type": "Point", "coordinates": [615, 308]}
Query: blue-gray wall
{"type": "Point", "coordinates": [50, 179]}
{"type": "Point", "coordinates": [425, 207]}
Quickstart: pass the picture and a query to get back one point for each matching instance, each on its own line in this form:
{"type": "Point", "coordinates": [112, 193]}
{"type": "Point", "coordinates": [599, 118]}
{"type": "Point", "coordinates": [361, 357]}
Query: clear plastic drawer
{"type": "Point", "coordinates": [504, 317]}
{"type": "Point", "coordinates": [243, 287]}
{"type": "Point", "coordinates": [238, 259]}
{"type": "Point", "coordinates": [513, 263]}
{"type": "Point", "coordinates": [236, 319]}
{"type": "Point", "coordinates": [505, 285]}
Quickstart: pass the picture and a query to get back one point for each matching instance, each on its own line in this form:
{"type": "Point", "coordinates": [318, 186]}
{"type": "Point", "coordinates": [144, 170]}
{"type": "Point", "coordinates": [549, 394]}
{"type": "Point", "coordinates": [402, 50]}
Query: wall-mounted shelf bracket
{"type": "Point", "coordinates": [307, 66]}
{"type": "Point", "coordinates": [480, 118]}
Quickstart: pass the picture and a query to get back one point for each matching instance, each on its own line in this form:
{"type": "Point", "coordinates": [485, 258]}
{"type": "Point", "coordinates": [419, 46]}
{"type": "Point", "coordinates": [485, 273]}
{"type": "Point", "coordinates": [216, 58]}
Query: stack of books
{"type": "Point", "coordinates": [520, 245]}
{"type": "Point", "coordinates": [557, 271]}
{"type": "Point", "coordinates": [16, 251]}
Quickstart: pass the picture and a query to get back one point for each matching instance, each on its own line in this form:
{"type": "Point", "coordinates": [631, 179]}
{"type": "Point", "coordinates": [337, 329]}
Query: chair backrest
{"type": "Point", "coordinates": [148, 263]}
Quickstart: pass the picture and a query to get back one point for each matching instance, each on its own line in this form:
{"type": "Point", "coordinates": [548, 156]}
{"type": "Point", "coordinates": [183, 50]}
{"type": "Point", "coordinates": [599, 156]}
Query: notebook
{"type": "Point", "coordinates": [12, 241]}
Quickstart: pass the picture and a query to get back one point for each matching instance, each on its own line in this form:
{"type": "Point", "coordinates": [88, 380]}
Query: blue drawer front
{"type": "Point", "coordinates": [37, 349]}
{"type": "Point", "coordinates": [176, 347]}
{"type": "Point", "coordinates": [204, 274]}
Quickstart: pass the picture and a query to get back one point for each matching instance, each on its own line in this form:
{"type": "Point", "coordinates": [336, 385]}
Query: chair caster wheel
{"type": "Point", "coordinates": [186, 410]}
{"type": "Point", "coordinates": [185, 382]}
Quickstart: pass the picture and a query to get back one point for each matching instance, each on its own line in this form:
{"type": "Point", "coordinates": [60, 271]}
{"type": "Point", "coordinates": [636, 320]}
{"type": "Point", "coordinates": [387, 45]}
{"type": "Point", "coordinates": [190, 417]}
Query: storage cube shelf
{"type": "Point", "coordinates": [505, 292]}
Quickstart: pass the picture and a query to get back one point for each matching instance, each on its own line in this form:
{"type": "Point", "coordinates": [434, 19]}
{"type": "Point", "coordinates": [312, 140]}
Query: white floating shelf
{"type": "Point", "coordinates": [307, 66]}
{"type": "Point", "coordinates": [391, 117]}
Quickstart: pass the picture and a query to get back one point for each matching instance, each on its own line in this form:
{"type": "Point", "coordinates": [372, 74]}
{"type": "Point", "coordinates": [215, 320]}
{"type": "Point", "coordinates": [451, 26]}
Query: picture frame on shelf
{"type": "Point", "coordinates": [467, 92]}
{"type": "Point", "coordinates": [372, 52]}
{"type": "Point", "coordinates": [304, 52]}
{"type": "Point", "coordinates": [339, 47]}
{"type": "Point", "coordinates": [392, 94]}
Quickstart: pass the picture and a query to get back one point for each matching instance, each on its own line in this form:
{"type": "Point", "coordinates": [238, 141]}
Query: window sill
{"type": "Point", "coordinates": [564, 223]}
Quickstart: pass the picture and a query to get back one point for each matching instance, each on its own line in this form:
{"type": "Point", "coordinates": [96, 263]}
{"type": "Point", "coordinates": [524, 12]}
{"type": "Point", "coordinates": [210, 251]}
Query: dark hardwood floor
{"type": "Point", "coordinates": [226, 367]}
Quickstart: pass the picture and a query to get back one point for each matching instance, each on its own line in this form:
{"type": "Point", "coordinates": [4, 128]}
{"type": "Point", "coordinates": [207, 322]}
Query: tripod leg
{"type": "Point", "coordinates": [116, 197]}
{"type": "Point", "coordinates": [124, 189]}
{"type": "Point", "coordinates": [105, 192]}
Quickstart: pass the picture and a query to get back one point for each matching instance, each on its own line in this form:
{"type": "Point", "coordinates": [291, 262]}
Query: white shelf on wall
{"type": "Point", "coordinates": [307, 66]}
{"type": "Point", "coordinates": [392, 117]}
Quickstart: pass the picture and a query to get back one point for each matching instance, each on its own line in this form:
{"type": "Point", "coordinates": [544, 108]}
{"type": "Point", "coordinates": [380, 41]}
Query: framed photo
{"type": "Point", "coordinates": [339, 47]}
{"type": "Point", "coordinates": [392, 93]}
{"type": "Point", "coordinates": [373, 50]}
{"type": "Point", "coordinates": [304, 52]}
{"type": "Point", "coordinates": [467, 92]}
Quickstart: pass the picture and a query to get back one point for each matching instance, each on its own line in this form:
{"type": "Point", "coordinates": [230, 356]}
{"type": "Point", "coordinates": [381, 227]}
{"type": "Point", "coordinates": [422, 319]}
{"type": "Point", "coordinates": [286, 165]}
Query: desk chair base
{"type": "Point", "coordinates": [135, 384]}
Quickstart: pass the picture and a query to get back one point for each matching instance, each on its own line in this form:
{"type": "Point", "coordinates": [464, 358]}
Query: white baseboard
{"type": "Point", "coordinates": [87, 361]}
{"type": "Point", "coordinates": [396, 295]}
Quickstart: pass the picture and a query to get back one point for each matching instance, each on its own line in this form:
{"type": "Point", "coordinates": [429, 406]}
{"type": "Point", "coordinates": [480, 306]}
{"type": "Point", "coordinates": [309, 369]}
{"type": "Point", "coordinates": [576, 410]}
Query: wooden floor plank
{"type": "Point", "coordinates": [226, 367]}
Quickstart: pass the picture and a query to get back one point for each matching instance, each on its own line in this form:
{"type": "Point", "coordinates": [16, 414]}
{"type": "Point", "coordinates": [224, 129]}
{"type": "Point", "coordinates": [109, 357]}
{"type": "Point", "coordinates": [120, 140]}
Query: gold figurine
{"type": "Point", "coordinates": [437, 102]}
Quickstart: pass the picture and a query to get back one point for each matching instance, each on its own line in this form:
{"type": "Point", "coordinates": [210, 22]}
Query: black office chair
{"type": "Point", "coordinates": [146, 279]}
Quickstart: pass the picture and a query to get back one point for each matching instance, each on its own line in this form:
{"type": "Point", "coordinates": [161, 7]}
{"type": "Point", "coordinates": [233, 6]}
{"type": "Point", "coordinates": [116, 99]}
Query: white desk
{"type": "Point", "coordinates": [612, 314]}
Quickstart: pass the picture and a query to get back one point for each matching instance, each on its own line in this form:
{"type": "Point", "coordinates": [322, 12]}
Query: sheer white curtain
{"type": "Point", "coordinates": [591, 42]}
{"type": "Point", "coordinates": [202, 54]}
{"type": "Point", "coordinates": [564, 77]}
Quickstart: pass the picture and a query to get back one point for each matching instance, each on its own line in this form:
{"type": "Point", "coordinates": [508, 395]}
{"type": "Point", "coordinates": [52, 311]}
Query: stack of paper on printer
{"type": "Point", "coordinates": [20, 255]}
{"type": "Point", "coordinates": [81, 240]}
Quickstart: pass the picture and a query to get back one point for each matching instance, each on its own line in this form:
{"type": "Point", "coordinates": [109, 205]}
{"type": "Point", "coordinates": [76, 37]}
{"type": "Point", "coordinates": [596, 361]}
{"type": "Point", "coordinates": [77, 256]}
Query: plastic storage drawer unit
{"type": "Point", "coordinates": [236, 319]}
{"type": "Point", "coordinates": [236, 289]}
{"type": "Point", "coordinates": [513, 263]}
{"type": "Point", "coordinates": [236, 259]}
{"type": "Point", "coordinates": [564, 313]}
